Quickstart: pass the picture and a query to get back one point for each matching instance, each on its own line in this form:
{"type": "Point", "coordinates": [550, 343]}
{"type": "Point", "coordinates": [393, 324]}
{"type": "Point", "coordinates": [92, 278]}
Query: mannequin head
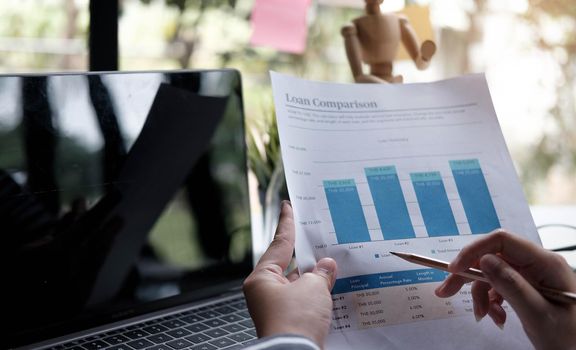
{"type": "Point", "coordinates": [373, 6]}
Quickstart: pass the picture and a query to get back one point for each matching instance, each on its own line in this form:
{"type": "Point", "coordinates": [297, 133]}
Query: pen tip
{"type": "Point", "coordinates": [394, 253]}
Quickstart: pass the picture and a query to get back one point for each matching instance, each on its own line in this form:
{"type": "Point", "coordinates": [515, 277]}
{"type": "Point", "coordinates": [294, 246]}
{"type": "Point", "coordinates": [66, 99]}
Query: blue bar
{"type": "Point", "coordinates": [346, 211]}
{"type": "Point", "coordinates": [475, 196]}
{"type": "Point", "coordinates": [434, 204]}
{"type": "Point", "coordinates": [389, 203]}
{"type": "Point", "coordinates": [387, 279]}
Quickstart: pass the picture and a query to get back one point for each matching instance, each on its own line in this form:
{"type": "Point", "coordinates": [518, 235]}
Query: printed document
{"type": "Point", "coordinates": [417, 168]}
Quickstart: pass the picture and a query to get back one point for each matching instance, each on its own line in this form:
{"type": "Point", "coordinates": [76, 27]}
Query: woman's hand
{"type": "Point", "coordinates": [294, 304]}
{"type": "Point", "coordinates": [514, 266]}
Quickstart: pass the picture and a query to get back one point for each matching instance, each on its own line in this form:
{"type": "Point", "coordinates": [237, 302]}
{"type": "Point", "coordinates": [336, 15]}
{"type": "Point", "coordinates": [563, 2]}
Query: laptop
{"type": "Point", "coordinates": [124, 211]}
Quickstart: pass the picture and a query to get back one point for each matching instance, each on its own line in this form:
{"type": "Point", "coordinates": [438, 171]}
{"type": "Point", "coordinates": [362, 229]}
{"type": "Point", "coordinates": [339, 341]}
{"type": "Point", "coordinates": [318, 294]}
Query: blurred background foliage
{"type": "Point", "coordinates": [526, 47]}
{"type": "Point", "coordinates": [554, 151]}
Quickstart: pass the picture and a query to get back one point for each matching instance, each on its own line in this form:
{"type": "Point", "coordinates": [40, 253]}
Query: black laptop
{"type": "Point", "coordinates": [124, 211]}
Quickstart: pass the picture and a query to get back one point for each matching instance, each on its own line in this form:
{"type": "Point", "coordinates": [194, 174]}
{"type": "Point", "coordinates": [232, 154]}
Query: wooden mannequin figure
{"type": "Point", "coordinates": [374, 39]}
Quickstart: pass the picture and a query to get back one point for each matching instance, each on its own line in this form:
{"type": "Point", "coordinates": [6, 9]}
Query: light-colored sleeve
{"type": "Point", "coordinates": [282, 342]}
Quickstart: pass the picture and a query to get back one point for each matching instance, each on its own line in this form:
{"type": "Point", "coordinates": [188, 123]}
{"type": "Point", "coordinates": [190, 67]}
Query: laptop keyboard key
{"type": "Point", "coordinates": [191, 318]}
{"type": "Point", "coordinates": [155, 329]}
{"type": "Point", "coordinates": [179, 344]}
{"type": "Point", "coordinates": [247, 323]}
{"type": "Point", "coordinates": [241, 337]}
{"type": "Point", "coordinates": [136, 334]}
{"type": "Point", "coordinates": [225, 310]}
{"type": "Point", "coordinates": [240, 305]}
{"type": "Point", "coordinates": [173, 324]}
{"type": "Point", "coordinates": [159, 338]}
{"type": "Point", "coordinates": [178, 333]}
{"type": "Point", "coordinates": [159, 347]}
{"type": "Point", "coordinates": [95, 345]}
{"type": "Point", "coordinates": [234, 327]}
{"type": "Point", "coordinates": [204, 347]}
{"type": "Point", "coordinates": [209, 314]}
{"type": "Point", "coordinates": [198, 338]}
{"type": "Point", "coordinates": [198, 327]}
{"type": "Point", "coordinates": [140, 344]}
{"type": "Point", "coordinates": [214, 323]}
{"type": "Point", "coordinates": [223, 342]}
{"type": "Point", "coordinates": [216, 332]}
{"type": "Point", "coordinates": [116, 339]}
{"type": "Point", "coordinates": [121, 347]}
{"type": "Point", "coordinates": [231, 318]}
{"type": "Point", "coordinates": [244, 314]}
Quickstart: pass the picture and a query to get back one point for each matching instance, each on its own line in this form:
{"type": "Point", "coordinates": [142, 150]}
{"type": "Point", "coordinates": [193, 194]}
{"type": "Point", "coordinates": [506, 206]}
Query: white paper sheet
{"type": "Point", "coordinates": [420, 168]}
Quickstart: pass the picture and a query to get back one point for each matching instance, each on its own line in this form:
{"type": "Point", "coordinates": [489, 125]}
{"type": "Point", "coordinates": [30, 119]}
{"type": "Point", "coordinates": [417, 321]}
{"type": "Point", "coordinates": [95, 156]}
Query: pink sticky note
{"type": "Point", "coordinates": [280, 24]}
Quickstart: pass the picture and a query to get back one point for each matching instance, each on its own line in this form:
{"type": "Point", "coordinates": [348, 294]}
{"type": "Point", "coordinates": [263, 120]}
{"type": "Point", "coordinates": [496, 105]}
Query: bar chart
{"type": "Point", "coordinates": [389, 202]}
{"type": "Point", "coordinates": [475, 196]}
{"type": "Point", "coordinates": [346, 211]}
{"type": "Point", "coordinates": [348, 215]}
{"type": "Point", "coordinates": [434, 203]}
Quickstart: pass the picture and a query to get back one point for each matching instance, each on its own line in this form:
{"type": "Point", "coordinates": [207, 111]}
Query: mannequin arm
{"type": "Point", "coordinates": [420, 56]}
{"type": "Point", "coordinates": [353, 50]}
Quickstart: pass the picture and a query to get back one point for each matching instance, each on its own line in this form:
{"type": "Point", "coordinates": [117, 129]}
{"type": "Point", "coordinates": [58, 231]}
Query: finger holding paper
{"type": "Point", "coordinates": [486, 300]}
{"type": "Point", "coordinates": [513, 267]}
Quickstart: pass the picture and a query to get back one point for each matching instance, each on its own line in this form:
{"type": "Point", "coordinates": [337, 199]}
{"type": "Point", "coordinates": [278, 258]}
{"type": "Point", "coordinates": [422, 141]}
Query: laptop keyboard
{"type": "Point", "coordinates": [224, 325]}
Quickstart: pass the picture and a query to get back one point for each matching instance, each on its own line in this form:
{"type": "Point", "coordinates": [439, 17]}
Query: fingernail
{"type": "Point", "coordinates": [286, 202]}
{"type": "Point", "coordinates": [440, 289]}
{"type": "Point", "coordinates": [477, 314]}
{"type": "Point", "coordinates": [326, 265]}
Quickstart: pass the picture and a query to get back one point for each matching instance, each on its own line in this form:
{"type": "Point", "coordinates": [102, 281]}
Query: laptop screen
{"type": "Point", "coordinates": [119, 193]}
